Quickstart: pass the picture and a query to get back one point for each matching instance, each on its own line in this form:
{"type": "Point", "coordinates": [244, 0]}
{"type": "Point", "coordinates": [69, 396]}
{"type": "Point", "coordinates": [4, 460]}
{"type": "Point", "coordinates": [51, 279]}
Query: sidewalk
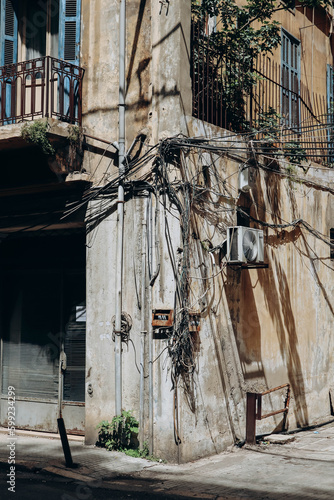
{"type": "Point", "coordinates": [300, 470]}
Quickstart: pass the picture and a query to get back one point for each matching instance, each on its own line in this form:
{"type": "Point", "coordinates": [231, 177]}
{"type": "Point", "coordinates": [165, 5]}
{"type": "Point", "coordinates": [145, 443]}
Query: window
{"type": "Point", "coordinates": [30, 29]}
{"type": "Point", "coordinates": [290, 77]}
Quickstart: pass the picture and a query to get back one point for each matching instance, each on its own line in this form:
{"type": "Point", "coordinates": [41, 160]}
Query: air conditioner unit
{"type": "Point", "coordinates": [244, 245]}
{"type": "Point", "coordinates": [247, 178]}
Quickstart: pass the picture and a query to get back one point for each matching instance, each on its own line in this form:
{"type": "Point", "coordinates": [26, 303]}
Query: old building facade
{"type": "Point", "coordinates": [204, 321]}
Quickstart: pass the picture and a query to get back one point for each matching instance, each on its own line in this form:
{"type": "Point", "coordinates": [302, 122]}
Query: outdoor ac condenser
{"type": "Point", "coordinates": [244, 245]}
{"type": "Point", "coordinates": [247, 178]}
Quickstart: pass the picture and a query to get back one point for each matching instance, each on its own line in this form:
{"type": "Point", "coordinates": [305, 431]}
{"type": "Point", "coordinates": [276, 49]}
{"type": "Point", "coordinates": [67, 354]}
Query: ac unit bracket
{"type": "Point", "coordinates": [246, 265]}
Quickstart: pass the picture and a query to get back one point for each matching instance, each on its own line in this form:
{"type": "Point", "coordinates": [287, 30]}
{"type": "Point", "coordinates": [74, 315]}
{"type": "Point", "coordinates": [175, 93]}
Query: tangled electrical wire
{"type": "Point", "coordinates": [217, 205]}
{"type": "Point", "coordinates": [180, 345]}
{"type": "Point", "coordinates": [205, 191]}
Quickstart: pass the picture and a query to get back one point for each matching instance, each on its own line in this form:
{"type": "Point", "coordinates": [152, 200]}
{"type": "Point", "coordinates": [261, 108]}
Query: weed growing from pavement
{"type": "Point", "coordinates": [121, 434]}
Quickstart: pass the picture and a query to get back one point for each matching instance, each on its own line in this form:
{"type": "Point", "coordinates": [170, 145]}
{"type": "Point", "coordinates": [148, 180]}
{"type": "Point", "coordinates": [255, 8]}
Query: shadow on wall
{"type": "Point", "coordinates": [248, 329]}
{"type": "Point", "coordinates": [278, 301]}
{"type": "Point", "coordinates": [211, 297]}
{"type": "Point", "coordinates": [276, 293]}
{"type": "Point", "coordinates": [246, 325]}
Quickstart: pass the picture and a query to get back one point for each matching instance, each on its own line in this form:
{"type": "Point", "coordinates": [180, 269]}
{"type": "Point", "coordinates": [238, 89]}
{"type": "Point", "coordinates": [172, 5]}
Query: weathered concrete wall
{"type": "Point", "coordinates": [282, 316]}
{"type": "Point", "coordinates": [100, 59]}
{"type": "Point", "coordinates": [259, 328]}
{"type": "Point", "coordinates": [171, 85]}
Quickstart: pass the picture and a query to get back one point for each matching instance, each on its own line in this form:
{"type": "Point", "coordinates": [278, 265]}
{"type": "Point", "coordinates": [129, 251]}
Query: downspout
{"type": "Point", "coordinates": [143, 323]}
{"type": "Point", "coordinates": [120, 213]}
{"type": "Point", "coordinates": [150, 377]}
{"type": "Point", "coordinates": [150, 338]}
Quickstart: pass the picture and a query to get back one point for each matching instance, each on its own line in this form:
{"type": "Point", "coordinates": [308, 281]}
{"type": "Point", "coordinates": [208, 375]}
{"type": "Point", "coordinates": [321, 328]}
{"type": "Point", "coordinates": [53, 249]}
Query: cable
{"type": "Point", "coordinates": [294, 223]}
{"type": "Point", "coordinates": [135, 353]}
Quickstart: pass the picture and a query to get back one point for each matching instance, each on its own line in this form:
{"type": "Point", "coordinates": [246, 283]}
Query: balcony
{"type": "Point", "coordinates": [41, 88]}
{"type": "Point", "coordinates": [225, 96]}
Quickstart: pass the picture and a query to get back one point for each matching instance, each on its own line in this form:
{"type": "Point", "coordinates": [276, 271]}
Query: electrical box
{"type": "Point", "coordinates": [162, 318]}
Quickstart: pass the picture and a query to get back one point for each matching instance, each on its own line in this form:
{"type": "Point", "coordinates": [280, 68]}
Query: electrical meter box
{"type": "Point", "coordinates": [162, 318]}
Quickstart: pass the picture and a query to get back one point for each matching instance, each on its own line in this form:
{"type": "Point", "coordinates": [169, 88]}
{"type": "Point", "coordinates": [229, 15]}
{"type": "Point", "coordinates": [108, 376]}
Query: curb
{"type": "Point", "coordinates": [22, 466]}
{"type": "Point", "coordinates": [44, 435]}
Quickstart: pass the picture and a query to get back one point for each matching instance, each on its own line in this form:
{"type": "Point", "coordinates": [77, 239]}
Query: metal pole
{"type": "Point", "coordinates": [150, 363]}
{"type": "Point", "coordinates": [120, 214]}
{"type": "Point", "coordinates": [143, 324]}
{"type": "Point", "coordinates": [251, 418]}
{"type": "Point", "coordinates": [150, 375]}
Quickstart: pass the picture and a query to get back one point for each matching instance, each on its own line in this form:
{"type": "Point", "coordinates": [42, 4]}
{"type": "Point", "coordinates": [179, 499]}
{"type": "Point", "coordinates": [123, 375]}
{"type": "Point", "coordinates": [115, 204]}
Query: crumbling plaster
{"type": "Point", "coordinates": [259, 328]}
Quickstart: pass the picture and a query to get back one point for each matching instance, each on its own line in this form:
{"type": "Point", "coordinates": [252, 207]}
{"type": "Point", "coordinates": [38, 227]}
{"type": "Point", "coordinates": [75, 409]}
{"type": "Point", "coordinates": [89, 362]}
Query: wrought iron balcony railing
{"type": "Point", "coordinates": [222, 96]}
{"type": "Point", "coordinates": [42, 87]}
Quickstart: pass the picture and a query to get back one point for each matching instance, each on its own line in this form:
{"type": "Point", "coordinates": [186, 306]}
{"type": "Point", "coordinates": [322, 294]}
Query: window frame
{"type": "Point", "coordinates": [290, 68]}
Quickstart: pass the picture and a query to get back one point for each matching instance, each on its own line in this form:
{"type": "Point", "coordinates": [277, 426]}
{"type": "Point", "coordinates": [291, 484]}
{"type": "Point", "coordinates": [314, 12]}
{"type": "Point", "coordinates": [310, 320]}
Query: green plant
{"type": "Point", "coordinates": [74, 134]}
{"type": "Point", "coordinates": [244, 31]}
{"type": "Point", "coordinates": [295, 152]}
{"type": "Point", "coordinates": [269, 125]}
{"type": "Point", "coordinates": [36, 133]}
{"type": "Point", "coordinates": [142, 453]}
{"type": "Point", "coordinates": [120, 434]}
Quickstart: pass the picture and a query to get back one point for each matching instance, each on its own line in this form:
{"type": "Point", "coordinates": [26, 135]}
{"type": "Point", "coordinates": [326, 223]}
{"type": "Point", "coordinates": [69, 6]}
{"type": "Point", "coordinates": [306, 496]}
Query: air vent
{"type": "Point", "coordinates": [70, 40]}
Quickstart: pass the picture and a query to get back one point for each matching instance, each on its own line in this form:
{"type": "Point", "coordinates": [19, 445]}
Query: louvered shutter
{"type": "Point", "coordinates": [8, 32]}
{"type": "Point", "coordinates": [75, 349]}
{"type": "Point", "coordinates": [330, 112]}
{"type": "Point", "coordinates": [69, 30]}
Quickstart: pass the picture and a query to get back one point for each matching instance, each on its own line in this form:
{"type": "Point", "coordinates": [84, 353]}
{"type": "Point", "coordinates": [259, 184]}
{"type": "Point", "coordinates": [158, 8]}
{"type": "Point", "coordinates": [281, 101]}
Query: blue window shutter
{"type": "Point", "coordinates": [69, 30]}
{"type": "Point", "coordinates": [8, 32]}
{"type": "Point", "coordinates": [330, 113]}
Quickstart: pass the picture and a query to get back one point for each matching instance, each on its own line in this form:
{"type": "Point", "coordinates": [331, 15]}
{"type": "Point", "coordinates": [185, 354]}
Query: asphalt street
{"type": "Point", "coordinates": [40, 485]}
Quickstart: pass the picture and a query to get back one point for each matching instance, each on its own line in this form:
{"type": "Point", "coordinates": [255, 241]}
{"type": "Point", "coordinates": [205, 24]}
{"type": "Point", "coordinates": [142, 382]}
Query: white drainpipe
{"type": "Point", "coordinates": [120, 213]}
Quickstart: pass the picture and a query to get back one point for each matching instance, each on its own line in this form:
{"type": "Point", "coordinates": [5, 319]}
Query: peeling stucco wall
{"type": "Point", "coordinates": [259, 328]}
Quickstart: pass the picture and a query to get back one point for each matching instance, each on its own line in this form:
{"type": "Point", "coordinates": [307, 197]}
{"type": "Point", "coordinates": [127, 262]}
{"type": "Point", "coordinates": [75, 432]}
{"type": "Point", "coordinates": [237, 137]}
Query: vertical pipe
{"type": "Point", "coordinates": [150, 360]}
{"type": "Point", "coordinates": [143, 322]}
{"type": "Point", "coordinates": [150, 376]}
{"type": "Point", "coordinates": [61, 346]}
{"type": "Point", "coordinates": [120, 214]}
{"type": "Point", "coordinates": [312, 103]}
